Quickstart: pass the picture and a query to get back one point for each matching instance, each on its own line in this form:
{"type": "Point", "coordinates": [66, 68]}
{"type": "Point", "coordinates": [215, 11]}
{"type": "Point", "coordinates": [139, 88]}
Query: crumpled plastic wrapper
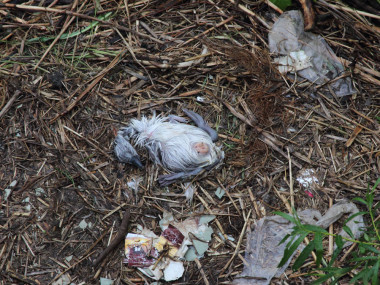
{"type": "Point", "coordinates": [263, 252]}
{"type": "Point", "coordinates": [160, 257]}
{"type": "Point", "coordinates": [310, 216]}
{"type": "Point", "coordinates": [307, 54]}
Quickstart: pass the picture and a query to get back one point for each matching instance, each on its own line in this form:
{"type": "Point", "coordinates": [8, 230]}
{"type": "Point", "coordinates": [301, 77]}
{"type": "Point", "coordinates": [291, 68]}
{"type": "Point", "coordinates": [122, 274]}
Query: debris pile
{"type": "Point", "coordinates": [264, 251]}
{"type": "Point", "coordinates": [307, 55]}
{"type": "Point", "coordinates": [161, 257]}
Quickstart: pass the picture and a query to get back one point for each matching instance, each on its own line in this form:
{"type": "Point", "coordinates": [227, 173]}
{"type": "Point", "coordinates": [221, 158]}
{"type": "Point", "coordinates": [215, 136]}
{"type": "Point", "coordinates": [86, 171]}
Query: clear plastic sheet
{"type": "Point", "coordinates": [288, 38]}
{"type": "Point", "coordinates": [263, 252]}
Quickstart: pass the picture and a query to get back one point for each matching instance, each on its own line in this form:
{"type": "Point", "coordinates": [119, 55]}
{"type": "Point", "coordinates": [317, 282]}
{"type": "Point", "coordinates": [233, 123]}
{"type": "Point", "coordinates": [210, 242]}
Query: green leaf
{"type": "Point", "coordinates": [284, 239]}
{"type": "Point", "coordinates": [339, 241]}
{"type": "Point", "coordinates": [303, 256]}
{"type": "Point", "coordinates": [361, 248]}
{"type": "Point", "coordinates": [363, 258]}
{"type": "Point", "coordinates": [375, 276]}
{"type": "Point", "coordinates": [348, 231]}
{"type": "Point", "coordinates": [74, 34]}
{"type": "Point", "coordinates": [282, 4]}
{"type": "Point", "coordinates": [360, 200]}
{"type": "Point", "coordinates": [369, 197]}
{"type": "Point", "coordinates": [355, 215]}
{"type": "Point", "coordinates": [337, 273]}
{"type": "Point", "coordinates": [297, 219]}
{"type": "Point", "coordinates": [289, 250]}
{"type": "Point", "coordinates": [376, 184]}
{"type": "Point", "coordinates": [335, 254]}
{"type": "Point", "coordinates": [291, 240]}
{"type": "Point", "coordinates": [316, 229]}
{"type": "Point", "coordinates": [370, 248]}
{"type": "Point", "coordinates": [318, 240]}
{"type": "Point", "coordinates": [286, 216]}
{"type": "Point", "coordinates": [361, 275]}
{"type": "Point", "coordinates": [323, 279]}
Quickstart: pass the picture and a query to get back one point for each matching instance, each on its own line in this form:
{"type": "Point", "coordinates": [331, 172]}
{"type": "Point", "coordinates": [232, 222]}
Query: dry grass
{"type": "Point", "coordinates": [62, 100]}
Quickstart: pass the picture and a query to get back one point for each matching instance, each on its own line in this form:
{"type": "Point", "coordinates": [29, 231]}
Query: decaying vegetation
{"type": "Point", "coordinates": [73, 72]}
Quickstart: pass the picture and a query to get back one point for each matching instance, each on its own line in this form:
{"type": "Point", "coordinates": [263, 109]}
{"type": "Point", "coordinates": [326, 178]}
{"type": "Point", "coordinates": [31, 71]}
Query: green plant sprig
{"type": "Point", "coordinates": [364, 263]}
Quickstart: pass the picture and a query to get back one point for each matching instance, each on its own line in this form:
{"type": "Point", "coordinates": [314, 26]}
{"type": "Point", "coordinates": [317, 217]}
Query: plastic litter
{"type": "Point", "coordinates": [263, 252]}
{"type": "Point", "coordinates": [307, 178]}
{"type": "Point", "coordinates": [40, 192]}
{"type": "Point", "coordinates": [161, 257]}
{"type": "Point", "coordinates": [189, 191]}
{"type": "Point", "coordinates": [306, 54]}
{"type": "Point", "coordinates": [65, 279]}
{"type": "Point", "coordinates": [219, 192]}
{"type": "Point", "coordinates": [173, 271]}
{"type": "Point", "coordinates": [83, 224]}
{"type": "Point", "coordinates": [134, 184]}
{"type": "Point", "coordinates": [8, 190]}
{"type": "Point", "coordinates": [106, 281]}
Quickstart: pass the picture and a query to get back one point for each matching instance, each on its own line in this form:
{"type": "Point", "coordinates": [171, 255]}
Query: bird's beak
{"type": "Point", "coordinates": [136, 161]}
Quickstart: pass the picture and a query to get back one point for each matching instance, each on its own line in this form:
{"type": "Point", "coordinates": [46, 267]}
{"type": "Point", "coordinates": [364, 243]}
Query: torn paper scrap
{"type": "Point", "coordinates": [139, 251]}
{"type": "Point", "coordinates": [171, 240]}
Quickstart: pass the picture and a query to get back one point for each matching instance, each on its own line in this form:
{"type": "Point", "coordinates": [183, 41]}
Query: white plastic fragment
{"type": "Point", "coordinates": [201, 99]}
{"type": "Point", "coordinates": [189, 191]}
{"type": "Point", "coordinates": [295, 61]}
{"type": "Point", "coordinates": [39, 192]}
{"type": "Point", "coordinates": [8, 190]}
{"type": "Point", "coordinates": [134, 184]}
{"type": "Point", "coordinates": [219, 192]}
{"type": "Point", "coordinates": [200, 246]}
{"type": "Point", "coordinates": [173, 271]}
{"type": "Point", "coordinates": [191, 254]}
{"type": "Point", "coordinates": [106, 281]}
{"type": "Point", "coordinates": [63, 280]}
{"type": "Point", "coordinates": [83, 224]}
{"type": "Point", "coordinates": [307, 178]}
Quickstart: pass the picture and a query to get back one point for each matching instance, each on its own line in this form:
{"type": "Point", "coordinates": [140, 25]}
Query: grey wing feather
{"type": "Point", "coordinates": [168, 179]}
{"type": "Point", "coordinates": [201, 123]}
{"type": "Point", "coordinates": [127, 132]}
{"type": "Point", "coordinates": [125, 152]}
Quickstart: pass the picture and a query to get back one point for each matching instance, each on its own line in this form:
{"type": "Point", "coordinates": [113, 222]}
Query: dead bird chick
{"type": "Point", "coordinates": [184, 150]}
